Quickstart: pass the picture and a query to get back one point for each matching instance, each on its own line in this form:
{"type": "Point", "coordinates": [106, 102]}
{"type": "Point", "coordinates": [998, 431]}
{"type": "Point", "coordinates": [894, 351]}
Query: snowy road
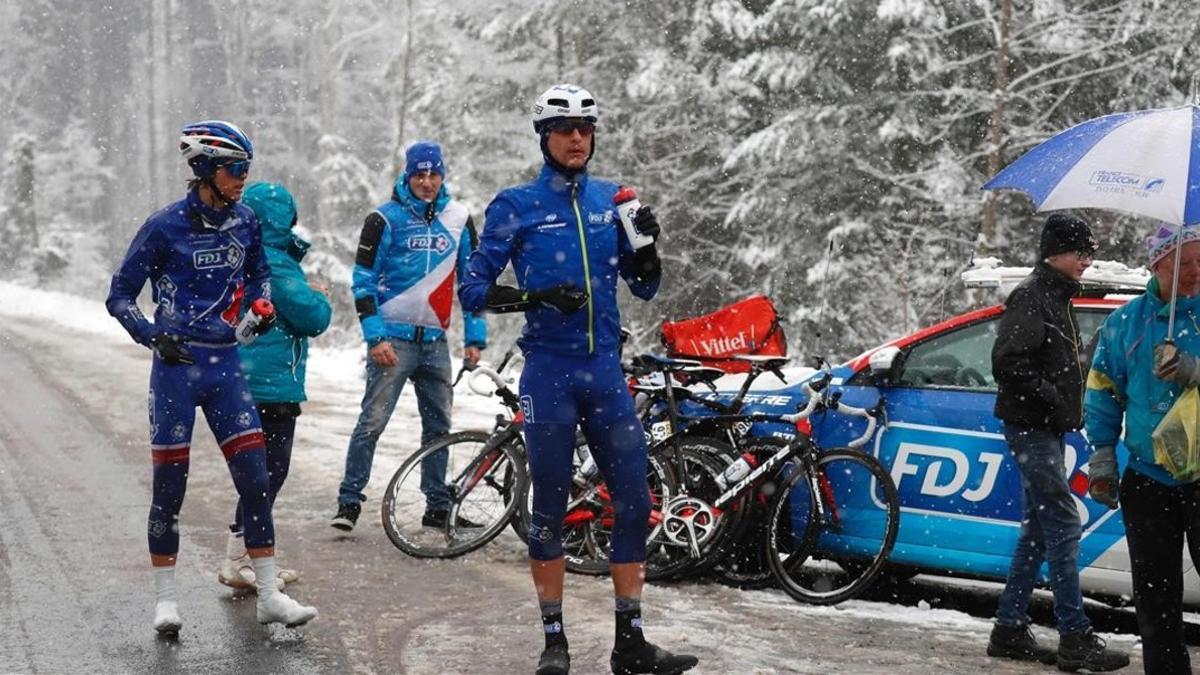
{"type": "Point", "coordinates": [76, 596]}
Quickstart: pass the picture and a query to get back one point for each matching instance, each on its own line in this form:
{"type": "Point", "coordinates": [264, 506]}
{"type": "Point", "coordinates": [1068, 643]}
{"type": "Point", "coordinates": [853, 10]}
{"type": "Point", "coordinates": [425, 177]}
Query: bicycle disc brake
{"type": "Point", "coordinates": [688, 521]}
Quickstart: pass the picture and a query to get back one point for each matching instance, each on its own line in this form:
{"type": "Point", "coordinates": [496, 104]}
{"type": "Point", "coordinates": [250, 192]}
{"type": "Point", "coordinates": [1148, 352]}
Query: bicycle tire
{"type": "Point", "coordinates": [704, 459]}
{"type": "Point", "coordinates": [745, 565]}
{"type": "Point", "coordinates": [849, 533]}
{"type": "Point", "coordinates": [494, 478]}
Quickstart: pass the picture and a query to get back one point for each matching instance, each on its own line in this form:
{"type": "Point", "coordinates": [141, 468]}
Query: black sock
{"type": "Point", "coordinates": [629, 623]}
{"type": "Point", "coordinates": [552, 623]}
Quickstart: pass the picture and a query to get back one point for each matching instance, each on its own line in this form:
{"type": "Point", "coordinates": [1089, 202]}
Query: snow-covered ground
{"type": "Point", "coordinates": [757, 629]}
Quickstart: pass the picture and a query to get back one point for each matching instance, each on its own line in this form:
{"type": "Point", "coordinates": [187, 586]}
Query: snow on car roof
{"type": "Point", "coordinates": [1103, 274]}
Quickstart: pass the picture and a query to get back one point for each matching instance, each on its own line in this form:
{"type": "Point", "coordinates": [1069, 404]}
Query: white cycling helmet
{"type": "Point", "coordinates": [212, 143]}
{"type": "Point", "coordinates": [564, 101]}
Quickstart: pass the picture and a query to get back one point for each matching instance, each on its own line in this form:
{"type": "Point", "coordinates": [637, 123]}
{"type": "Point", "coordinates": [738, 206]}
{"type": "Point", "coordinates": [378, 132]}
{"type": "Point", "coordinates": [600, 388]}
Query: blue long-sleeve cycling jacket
{"type": "Point", "coordinates": [202, 263]}
{"type": "Point", "coordinates": [409, 255]}
{"type": "Point", "coordinates": [556, 231]}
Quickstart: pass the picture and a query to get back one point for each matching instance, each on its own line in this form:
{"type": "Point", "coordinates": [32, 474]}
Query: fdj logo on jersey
{"type": "Point", "coordinates": [437, 243]}
{"type": "Point", "coordinates": [230, 256]}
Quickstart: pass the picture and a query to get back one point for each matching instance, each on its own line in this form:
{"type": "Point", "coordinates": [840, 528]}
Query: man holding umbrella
{"type": "Point", "coordinates": [1139, 370]}
{"type": "Point", "coordinates": [1036, 363]}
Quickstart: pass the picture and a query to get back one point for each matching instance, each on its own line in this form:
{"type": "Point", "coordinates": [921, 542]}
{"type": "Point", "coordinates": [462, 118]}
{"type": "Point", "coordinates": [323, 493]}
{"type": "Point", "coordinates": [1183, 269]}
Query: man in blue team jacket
{"type": "Point", "coordinates": [567, 247]}
{"type": "Point", "coordinates": [409, 254]}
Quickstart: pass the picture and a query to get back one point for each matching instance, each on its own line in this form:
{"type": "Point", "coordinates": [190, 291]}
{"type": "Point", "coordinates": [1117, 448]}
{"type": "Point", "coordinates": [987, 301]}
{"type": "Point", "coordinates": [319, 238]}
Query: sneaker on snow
{"type": "Point", "coordinates": [280, 608]}
{"type": "Point", "coordinates": [347, 516]}
{"type": "Point", "coordinates": [1018, 642]}
{"type": "Point", "coordinates": [647, 658]}
{"type": "Point", "coordinates": [554, 661]}
{"type": "Point", "coordinates": [1087, 651]}
{"type": "Point", "coordinates": [166, 618]}
{"type": "Point", "coordinates": [438, 519]}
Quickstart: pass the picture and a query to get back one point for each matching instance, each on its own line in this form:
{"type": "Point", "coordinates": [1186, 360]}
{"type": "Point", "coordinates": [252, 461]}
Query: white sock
{"type": "Point", "coordinates": [164, 584]}
{"type": "Point", "coordinates": [264, 576]}
{"type": "Point", "coordinates": [235, 546]}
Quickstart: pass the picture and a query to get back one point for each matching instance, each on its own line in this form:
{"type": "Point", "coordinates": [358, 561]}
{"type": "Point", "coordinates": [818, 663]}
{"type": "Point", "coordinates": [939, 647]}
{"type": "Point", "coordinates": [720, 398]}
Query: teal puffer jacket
{"type": "Point", "coordinates": [274, 364]}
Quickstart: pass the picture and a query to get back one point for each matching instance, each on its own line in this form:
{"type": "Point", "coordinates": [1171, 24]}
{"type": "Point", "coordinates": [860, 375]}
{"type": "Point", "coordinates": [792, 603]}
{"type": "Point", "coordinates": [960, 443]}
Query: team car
{"type": "Point", "coordinates": [958, 485]}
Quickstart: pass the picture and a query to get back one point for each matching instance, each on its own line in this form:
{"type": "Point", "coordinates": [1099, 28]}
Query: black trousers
{"type": "Point", "coordinates": [279, 430]}
{"type": "Point", "coordinates": [1158, 518]}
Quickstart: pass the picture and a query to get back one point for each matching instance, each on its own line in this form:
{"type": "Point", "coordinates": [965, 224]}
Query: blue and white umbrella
{"type": "Point", "coordinates": [1145, 162]}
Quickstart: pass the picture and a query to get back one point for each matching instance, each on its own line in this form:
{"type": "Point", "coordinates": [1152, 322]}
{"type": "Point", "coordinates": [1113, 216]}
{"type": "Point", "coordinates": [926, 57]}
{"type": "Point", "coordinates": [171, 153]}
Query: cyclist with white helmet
{"type": "Point", "coordinates": [562, 236]}
{"type": "Point", "coordinates": [204, 259]}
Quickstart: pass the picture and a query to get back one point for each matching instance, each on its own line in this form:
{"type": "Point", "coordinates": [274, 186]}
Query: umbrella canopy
{"type": "Point", "coordinates": [1145, 162]}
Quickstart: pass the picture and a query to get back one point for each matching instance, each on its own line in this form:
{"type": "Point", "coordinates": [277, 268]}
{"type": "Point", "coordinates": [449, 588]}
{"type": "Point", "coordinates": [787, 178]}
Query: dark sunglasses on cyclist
{"type": "Point", "coordinates": [566, 126]}
{"type": "Point", "coordinates": [237, 169]}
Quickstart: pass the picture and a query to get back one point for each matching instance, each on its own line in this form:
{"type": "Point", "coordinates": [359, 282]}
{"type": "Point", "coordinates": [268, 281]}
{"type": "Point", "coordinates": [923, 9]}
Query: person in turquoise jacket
{"type": "Point", "coordinates": [274, 364]}
{"type": "Point", "coordinates": [1136, 377]}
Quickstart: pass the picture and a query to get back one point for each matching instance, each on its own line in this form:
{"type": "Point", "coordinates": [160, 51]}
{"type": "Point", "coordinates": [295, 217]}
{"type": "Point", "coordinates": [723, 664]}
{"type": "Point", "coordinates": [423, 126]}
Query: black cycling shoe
{"type": "Point", "coordinates": [647, 658]}
{"type": "Point", "coordinates": [438, 519]}
{"type": "Point", "coordinates": [554, 661]}
{"type": "Point", "coordinates": [1018, 642]}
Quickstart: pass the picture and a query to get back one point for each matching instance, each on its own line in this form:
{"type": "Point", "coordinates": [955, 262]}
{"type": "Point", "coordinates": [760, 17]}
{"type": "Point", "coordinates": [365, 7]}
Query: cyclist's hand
{"type": "Point", "coordinates": [383, 354]}
{"type": "Point", "coordinates": [645, 223]}
{"type": "Point", "coordinates": [171, 350]}
{"type": "Point", "coordinates": [565, 298]}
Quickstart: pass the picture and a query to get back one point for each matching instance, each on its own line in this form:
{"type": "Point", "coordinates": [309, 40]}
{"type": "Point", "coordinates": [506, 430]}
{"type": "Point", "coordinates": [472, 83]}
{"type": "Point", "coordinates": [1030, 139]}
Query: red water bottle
{"type": "Point", "coordinates": [627, 207]}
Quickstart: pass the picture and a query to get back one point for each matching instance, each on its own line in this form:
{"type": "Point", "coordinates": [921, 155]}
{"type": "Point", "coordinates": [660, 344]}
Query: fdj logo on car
{"type": "Point", "coordinates": [971, 474]}
{"type": "Point", "coordinates": [428, 242]}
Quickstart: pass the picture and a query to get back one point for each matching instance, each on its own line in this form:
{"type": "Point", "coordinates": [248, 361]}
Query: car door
{"type": "Point", "coordinates": [959, 489]}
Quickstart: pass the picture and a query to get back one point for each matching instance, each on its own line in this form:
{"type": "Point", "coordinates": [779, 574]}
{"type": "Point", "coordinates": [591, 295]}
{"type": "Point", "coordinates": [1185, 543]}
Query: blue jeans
{"type": "Point", "coordinates": [1050, 531]}
{"type": "Point", "coordinates": [427, 364]}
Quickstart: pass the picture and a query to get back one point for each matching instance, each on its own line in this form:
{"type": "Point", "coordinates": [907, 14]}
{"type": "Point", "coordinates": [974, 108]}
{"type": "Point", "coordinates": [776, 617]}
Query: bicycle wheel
{"type": "Point", "coordinates": [485, 483]}
{"type": "Point", "coordinates": [587, 527]}
{"type": "Point", "coordinates": [831, 529]}
{"type": "Point", "coordinates": [745, 565]}
{"type": "Point", "coordinates": [694, 537]}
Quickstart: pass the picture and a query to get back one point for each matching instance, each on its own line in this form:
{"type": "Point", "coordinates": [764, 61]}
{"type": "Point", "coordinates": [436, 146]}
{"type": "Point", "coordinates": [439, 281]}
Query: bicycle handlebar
{"type": "Point", "coordinates": [491, 374]}
{"type": "Point", "coordinates": [812, 389]}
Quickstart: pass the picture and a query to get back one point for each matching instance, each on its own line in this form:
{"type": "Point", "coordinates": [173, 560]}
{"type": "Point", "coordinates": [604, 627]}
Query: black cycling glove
{"type": "Point", "coordinates": [170, 349]}
{"type": "Point", "coordinates": [646, 265]}
{"type": "Point", "coordinates": [645, 223]}
{"type": "Point", "coordinates": [566, 298]}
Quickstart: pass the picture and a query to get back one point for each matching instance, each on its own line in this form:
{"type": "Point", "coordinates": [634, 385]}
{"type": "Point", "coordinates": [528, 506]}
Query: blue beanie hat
{"type": "Point", "coordinates": [424, 156]}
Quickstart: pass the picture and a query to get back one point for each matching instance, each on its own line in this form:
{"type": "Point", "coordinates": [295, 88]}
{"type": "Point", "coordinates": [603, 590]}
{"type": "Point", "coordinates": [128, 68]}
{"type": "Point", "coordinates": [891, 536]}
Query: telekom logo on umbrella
{"type": "Point", "coordinates": [1127, 180]}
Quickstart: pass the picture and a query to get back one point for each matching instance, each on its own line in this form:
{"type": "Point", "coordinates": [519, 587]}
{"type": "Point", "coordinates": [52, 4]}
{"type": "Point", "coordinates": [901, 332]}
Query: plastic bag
{"type": "Point", "coordinates": [749, 326]}
{"type": "Point", "coordinates": [1177, 438]}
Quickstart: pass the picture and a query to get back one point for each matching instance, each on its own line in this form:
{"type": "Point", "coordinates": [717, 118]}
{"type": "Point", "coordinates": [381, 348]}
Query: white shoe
{"type": "Point", "coordinates": [280, 608]}
{"type": "Point", "coordinates": [166, 618]}
{"type": "Point", "coordinates": [239, 574]}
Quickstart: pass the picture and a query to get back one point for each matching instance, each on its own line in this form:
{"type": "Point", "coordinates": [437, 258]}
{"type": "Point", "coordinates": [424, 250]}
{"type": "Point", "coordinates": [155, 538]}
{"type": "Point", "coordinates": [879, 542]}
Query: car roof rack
{"type": "Point", "coordinates": [1104, 278]}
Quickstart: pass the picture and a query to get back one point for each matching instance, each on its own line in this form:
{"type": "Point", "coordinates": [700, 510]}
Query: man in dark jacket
{"type": "Point", "coordinates": [1036, 362]}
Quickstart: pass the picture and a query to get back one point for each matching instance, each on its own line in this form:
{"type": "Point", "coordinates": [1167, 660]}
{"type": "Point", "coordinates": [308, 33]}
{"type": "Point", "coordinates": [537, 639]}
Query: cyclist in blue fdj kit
{"type": "Point", "coordinates": [204, 258]}
{"type": "Point", "coordinates": [411, 251]}
{"type": "Point", "coordinates": [562, 236]}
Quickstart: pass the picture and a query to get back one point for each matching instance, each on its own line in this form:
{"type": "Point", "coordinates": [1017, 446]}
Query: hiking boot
{"type": "Point", "coordinates": [647, 658]}
{"type": "Point", "coordinates": [438, 519]}
{"type": "Point", "coordinates": [347, 516]}
{"type": "Point", "coordinates": [1087, 651]}
{"type": "Point", "coordinates": [554, 661]}
{"type": "Point", "coordinates": [1018, 642]}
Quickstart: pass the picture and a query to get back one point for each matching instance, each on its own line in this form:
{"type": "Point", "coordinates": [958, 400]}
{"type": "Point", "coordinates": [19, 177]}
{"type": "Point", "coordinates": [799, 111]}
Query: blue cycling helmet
{"type": "Point", "coordinates": [213, 143]}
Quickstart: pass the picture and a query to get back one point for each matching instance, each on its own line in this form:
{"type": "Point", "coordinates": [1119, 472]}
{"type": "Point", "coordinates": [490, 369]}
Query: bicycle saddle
{"type": "Point", "coordinates": [702, 374]}
{"type": "Point", "coordinates": [662, 364]}
{"type": "Point", "coordinates": [764, 362]}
